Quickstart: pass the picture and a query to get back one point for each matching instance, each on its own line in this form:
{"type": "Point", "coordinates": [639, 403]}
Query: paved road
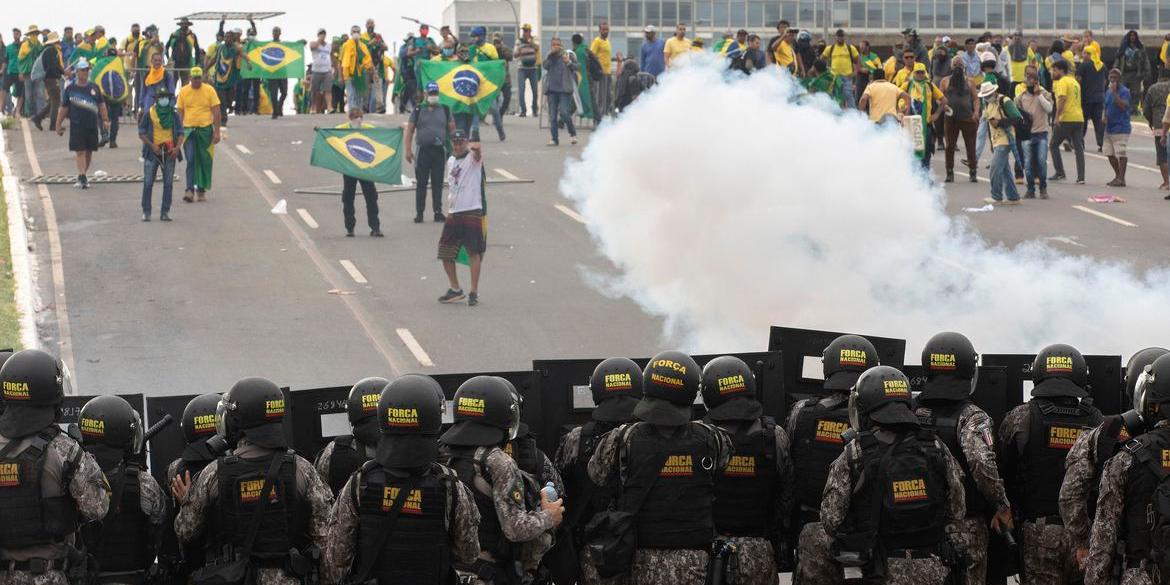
{"type": "Point", "coordinates": [229, 289]}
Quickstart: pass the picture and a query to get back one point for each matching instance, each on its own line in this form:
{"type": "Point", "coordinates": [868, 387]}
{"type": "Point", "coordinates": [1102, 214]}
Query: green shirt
{"type": "Point", "coordinates": [870, 62]}
{"type": "Point", "coordinates": [11, 52]}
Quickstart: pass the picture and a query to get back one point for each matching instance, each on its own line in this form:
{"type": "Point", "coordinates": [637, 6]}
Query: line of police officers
{"type": "Point", "coordinates": [864, 482]}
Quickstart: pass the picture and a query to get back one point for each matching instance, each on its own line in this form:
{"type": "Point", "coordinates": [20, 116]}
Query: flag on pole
{"type": "Point", "coordinates": [274, 60]}
{"type": "Point", "coordinates": [371, 154]}
{"type": "Point", "coordinates": [465, 87]}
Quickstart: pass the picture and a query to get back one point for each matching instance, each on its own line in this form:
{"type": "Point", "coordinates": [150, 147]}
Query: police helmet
{"type": "Point", "coordinates": [951, 366]}
{"type": "Point", "coordinates": [1155, 390]}
{"type": "Point", "coordinates": [882, 396]}
{"type": "Point", "coordinates": [1136, 380]}
{"type": "Point", "coordinates": [729, 390]}
{"type": "Point", "coordinates": [1060, 370]}
{"type": "Point", "coordinates": [252, 408]}
{"type": "Point", "coordinates": [515, 430]}
{"type": "Point", "coordinates": [845, 359]}
{"type": "Point", "coordinates": [485, 413]}
{"type": "Point", "coordinates": [199, 417]}
{"type": "Point", "coordinates": [362, 408]}
{"type": "Point", "coordinates": [110, 421]}
{"type": "Point", "coordinates": [410, 416]}
{"type": "Point", "coordinates": [1136, 366]}
{"type": "Point", "coordinates": [670, 383]}
{"type": "Point", "coordinates": [32, 384]}
{"type": "Point", "coordinates": [616, 385]}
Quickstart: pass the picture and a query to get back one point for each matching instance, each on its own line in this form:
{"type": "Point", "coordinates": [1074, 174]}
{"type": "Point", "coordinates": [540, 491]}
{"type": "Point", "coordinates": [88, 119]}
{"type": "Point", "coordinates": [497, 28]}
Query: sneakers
{"type": "Point", "coordinates": [1011, 202]}
{"type": "Point", "coordinates": [376, 234]}
{"type": "Point", "coordinates": [973, 176]}
{"type": "Point", "coordinates": [1057, 177]}
{"type": "Point", "coordinates": [1044, 193]}
{"type": "Point", "coordinates": [146, 216]}
{"type": "Point", "coordinates": [113, 144]}
{"type": "Point", "coordinates": [82, 182]}
{"type": "Point", "coordinates": [1030, 195]}
{"type": "Point", "coordinates": [418, 218]}
{"type": "Point", "coordinates": [440, 218]}
{"type": "Point", "coordinates": [472, 299]}
{"type": "Point", "coordinates": [452, 296]}
{"type": "Point", "coordinates": [553, 143]}
{"type": "Point", "coordinates": [573, 140]}
{"type": "Point", "coordinates": [950, 177]}
{"type": "Point", "coordinates": [992, 200]}
{"type": "Point", "coordinates": [188, 197]}
{"type": "Point", "coordinates": [164, 217]}
{"type": "Point", "coordinates": [200, 196]}
{"type": "Point", "coordinates": [349, 233]}
{"type": "Point", "coordinates": [502, 136]}
{"type": "Point", "coordinates": [1080, 181]}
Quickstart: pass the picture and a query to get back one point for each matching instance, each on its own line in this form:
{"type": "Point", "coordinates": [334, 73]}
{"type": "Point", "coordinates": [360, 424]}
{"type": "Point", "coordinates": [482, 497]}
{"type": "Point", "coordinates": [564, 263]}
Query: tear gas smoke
{"type": "Point", "coordinates": [727, 205]}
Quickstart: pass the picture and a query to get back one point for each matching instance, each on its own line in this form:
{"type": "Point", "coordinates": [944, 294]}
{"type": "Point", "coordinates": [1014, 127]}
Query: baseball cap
{"type": "Point", "coordinates": [920, 67]}
{"type": "Point", "coordinates": [432, 87]}
{"type": "Point", "coordinates": [458, 135]}
{"type": "Point", "coordinates": [649, 29]}
{"type": "Point", "coordinates": [196, 71]}
{"type": "Point", "coordinates": [526, 26]}
{"type": "Point", "coordinates": [82, 63]}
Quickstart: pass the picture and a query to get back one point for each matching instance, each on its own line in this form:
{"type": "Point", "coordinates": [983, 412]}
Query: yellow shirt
{"type": "Point", "coordinates": [1068, 88]}
{"type": "Point", "coordinates": [883, 99]}
{"type": "Point", "coordinates": [784, 55]}
{"type": "Point", "coordinates": [841, 58]}
{"type": "Point", "coordinates": [604, 52]}
{"type": "Point", "coordinates": [1162, 52]}
{"type": "Point", "coordinates": [917, 89]}
{"type": "Point", "coordinates": [903, 75]}
{"type": "Point", "coordinates": [349, 58]}
{"type": "Point", "coordinates": [195, 105]}
{"type": "Point", "coordinates": [1019, 66]}
{"type": "Point", "coordinates": [891, 68]}
{"type": "Point", "coordinates": [675, 47]}
{"type": "Point", "coordinates": [485, 52]}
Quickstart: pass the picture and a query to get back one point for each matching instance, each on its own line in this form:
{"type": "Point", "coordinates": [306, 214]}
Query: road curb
{"type": "Point", "coordinates": [19, 247]}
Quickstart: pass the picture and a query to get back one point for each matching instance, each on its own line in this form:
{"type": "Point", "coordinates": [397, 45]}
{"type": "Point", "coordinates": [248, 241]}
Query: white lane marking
{"type": "Point", "coordinates": [1102, 215]}
{"type": "Point", "coordinates": [272, 177]}
{"type": "Point", "coordinates": [505, 174]}
{"type": "Point", "coordinates": [354, 273]}
{"type": "Point", "coordinates": [308, 219]}
{"type": "Point", "coordinates": [1070, 240]}
{"type": "Point", "coordinates": [22, 264]}
{"type": "Point", "coordinates": [569, 212]}
{"type": "Point", "coordinates": [956, 265]}
{"type": "Point", "coordinates": [1131, 165]}
{"type": "Point", "coordinates": [243, 149]}
{"type": "Point", "coordinates": [412, 344]}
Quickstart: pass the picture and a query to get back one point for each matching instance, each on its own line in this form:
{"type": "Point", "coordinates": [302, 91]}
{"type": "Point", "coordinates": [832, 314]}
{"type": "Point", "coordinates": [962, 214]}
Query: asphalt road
{"type": "Point", "coordinates": [230, 289]}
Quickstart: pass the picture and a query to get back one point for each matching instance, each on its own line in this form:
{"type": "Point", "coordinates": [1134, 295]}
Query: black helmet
{"type": "Point", "coordinates": [31, 382]}
{"type": "Point", "coordinates": [1060, 370]}
{"type": "Point", "coordinates": [485, 413]}
{"type": "Point", "coordinates": [1137, 366]}
{"type": "Point", "coordinates": [729, 390]}
{"type": "Point", "coordinates": [616, 385]}
{"type": "Point", "coordinates": [845, 359]}
{"type": "Point", "coordinates": [1136, 383]}
{"type": "Point", "coordinates": [253, 408]}
{"type": "Point", "coordinates": [669, 386]}
{"type": "Point", "coordinates": [881, 395]}
{"type": "Point", "coordinates": [199, 417]}
{"type": "Point", "coordinates": [362, 408]}
{"type": "Point", "coordinates": [1155, 389]}
{"type": "Point", "coordinates": [410, 416]}
{"type": "Point", "coordinates": [110, 421]}
{"type": "Point", "coordinates": [951, 367]}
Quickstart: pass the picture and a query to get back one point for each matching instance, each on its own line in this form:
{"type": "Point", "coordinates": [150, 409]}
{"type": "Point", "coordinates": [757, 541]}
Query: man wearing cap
{"type": "Point", "coordinates": [184, 48]}
{"type": "Point", "coordinates": [30, 51]}
{"type": "Point", "coordinates": [54, 66]}
{"type": "Point", "coordinates": [161, 131]}
{"type": "Point", "coordinates": [199, 109]}
{"type": "Point", "coordinates": [466, 223]}
{"type": "Point", "coordinates": [82, 104]}
{"type": "Point", "coordinates": [321, 72]}
{"type": "Point", "coordinates": [842, 58]}
{"type": "Point", "coordinates": [928, 102]}
{"type": "Point", "coordinates": [997, 115]}
{"type": "Point", "coordinates": [527, 52]}
{"type": "Point", "coordinates": [430, 125]}
{"type": "Point", "coordinates": [670, 463]}
{"type": "Point", "coordinates": [652, 57]}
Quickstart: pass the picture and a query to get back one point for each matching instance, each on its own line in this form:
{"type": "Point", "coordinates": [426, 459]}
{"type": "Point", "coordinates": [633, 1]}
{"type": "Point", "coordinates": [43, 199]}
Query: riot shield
{"type": "Point", "coordinates": [1106, 385]}
{"type": "Point", "coordinates": [168, 444]}
{"type": "Point", "coordinates": [990, 389]}
{"type": "Point", "coordinates": [71, 408]}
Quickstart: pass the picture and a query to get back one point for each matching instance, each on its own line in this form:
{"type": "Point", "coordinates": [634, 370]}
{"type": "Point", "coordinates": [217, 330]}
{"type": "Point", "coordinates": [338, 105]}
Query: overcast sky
{"type": "Point", "coordinates": [301, 20]}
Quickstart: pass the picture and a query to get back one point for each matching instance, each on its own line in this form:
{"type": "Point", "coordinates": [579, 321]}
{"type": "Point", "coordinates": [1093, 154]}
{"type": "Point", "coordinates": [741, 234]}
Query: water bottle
{"type": "Point", "coordinates": [549, 491]}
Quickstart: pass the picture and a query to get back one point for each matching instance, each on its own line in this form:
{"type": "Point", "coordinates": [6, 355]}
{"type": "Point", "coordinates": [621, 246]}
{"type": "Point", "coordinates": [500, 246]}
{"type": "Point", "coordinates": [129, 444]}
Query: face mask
{"type": "Point", "coordinates": [448, 52]}
{"type": "Point", "coordinates": [354, 36]}
{"type": "Point", "coordinates": [164, 102]}
{"type": "Point", "coordinates": [433, 100]}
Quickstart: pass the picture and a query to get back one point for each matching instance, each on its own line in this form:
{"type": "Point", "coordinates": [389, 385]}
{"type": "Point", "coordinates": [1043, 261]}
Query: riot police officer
{"type": "Point", "coordinates": [894, 500]}
{"type": "Point", "coordinates": [403, 518]}
{"type": "Point", "coordinates": [944, 406]}
{"type": "Point", "coordinates": [261, 498]}
{"type": "Point", "coordinates": [1131, 505]}
{"type": "Point", "coordinates": [202, 447]}
{"type": "Point", "coordinates": [815, 426]}
{"type": "Point", "coordinates": [345, 454]}
{"type": "Point", "coordinates": [1034, 440]}
{"type": "Point", "coordinates": [122, 543]}
{"type": "Point", "coordinates": [670, 463]}
{"type": "Point", "coordinates": [48, 483]}
{"type": "Point", "coordinates": [515, 528]}
{"type": "Point", "coordinates": [529, 457]}
{"type": "Point", "coordinates": [1086, 459]}
{"type": "Point", "coordinates": [753, 496]}
{"type": "Point", "coordinates": [616, 386]}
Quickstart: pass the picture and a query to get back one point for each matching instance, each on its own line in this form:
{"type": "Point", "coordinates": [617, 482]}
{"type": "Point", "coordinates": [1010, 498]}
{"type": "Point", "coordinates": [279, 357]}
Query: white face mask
{"type": "Point", "coordinates": [433, 100]}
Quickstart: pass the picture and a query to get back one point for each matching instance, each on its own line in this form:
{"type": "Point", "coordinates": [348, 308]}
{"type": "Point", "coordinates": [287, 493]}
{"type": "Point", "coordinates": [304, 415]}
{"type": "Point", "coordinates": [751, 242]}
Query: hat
{"type": "Point", "coordinates": [920, 67]}
{"type": "Point", "coordinates": [478, 31]}
{"type": "Point", "coordinates": [196, 71]}
{"type": "Point", "coordinates": [526, 27]}
{"type": "Point", "coordinates": [184, 21]}
{"type": "Point", "coordinates": [432, 87]}
{"type": "Point", "coordinates": [987, 89]}
{"type": "Point", "coordinates": [53, 38]}
{"type": "Point", "coordinates": [458, 135]}
{"type": "Point", "coordinates": [320, 31]}
{"type": "Point", "coordinates": [238, 31]}
{"type": "Point", "coordinates": [946, 40]}
{"type": "Point", "coordinates": [82, 63]}
{"type": "Point", "coordinates": [32, 29]}
{"type": "Point", "coordinates": [649, 29]}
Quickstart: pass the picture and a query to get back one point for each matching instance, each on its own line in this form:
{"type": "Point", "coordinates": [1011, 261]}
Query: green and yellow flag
{"type": "Point", "coordinates": [274, 60]}
{"type": "Point", "coordinates": [110, 76]}
{"type": "Point", "coordinates": [372, 154]}
{"type": "Point", "coordinates": [464, 87]}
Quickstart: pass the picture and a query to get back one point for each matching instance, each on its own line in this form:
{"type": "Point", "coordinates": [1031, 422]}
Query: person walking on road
{"type": "Point", "coordinates": [962, 118]}
{"type": "Point", "coordinates": [466, 225]}
{"type": "Point", "coordinates": [321, 73]}
{"type": "Point", "coordinates": [356, 69]}
{"type": "Point", "coordinates": [184, 48]}
{"type": "Point", "coordinates": [561, 67]}
{"type": "Point", "coordinates": [1091, 74]}
{"type": "Point", "coordinates": [83, 105]}
{"type": "Point", "coordinates": [277, 88]}
{"type": "Point", "coordinates": [11, 79]}
{"type": "Point", "coordinates": [1069, 124]}
{"type": "Point", "coordinates": [1117, 126]}
{"type": "Point", "coordinates": [160, 130]}
{"type": "Point", "coordinates": [1154, 106]}
{"type": "Point", "coordinates": [54, 66]}
{"type": "Point", "coordinates": [349, 186]}
{"type": "Point", "coordinates": [431, 126]}
{"type": "Point", "coordinates": [997, 112]}
{"type": "Point", "coordinates": [603, 87]}
{"type": "Point", "coordinates": [1036, 102]}
{"type": "Point", "coordinates": [199, 109]}
{"type": "Point", "coordinates": [528, 54]}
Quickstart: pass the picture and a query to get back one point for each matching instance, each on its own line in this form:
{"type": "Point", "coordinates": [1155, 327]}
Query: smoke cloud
{"type": "Point", "coordinates": [729, 204]}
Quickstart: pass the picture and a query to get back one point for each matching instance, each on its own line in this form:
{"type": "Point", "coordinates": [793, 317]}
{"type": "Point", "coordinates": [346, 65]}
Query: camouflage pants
{"type": "Point", "coordinates": [669, 567]}
{"type": "Point", "coordinates": [815, 562]}
{"type": "Point", "coordinates": [916, 572]}
{"type": "Point", "coordinates": [1049, 555]}
{"type": "Point", "coordinates": [757, 561]}
{"type": "Point", "coordinates": [1136, 576]}
{"type": "Point", "coordinates": [589, 574]}
{"type": "Point", "coordinates": [975, 534]}
{"type": "Point", "coordinates": [26, 578]}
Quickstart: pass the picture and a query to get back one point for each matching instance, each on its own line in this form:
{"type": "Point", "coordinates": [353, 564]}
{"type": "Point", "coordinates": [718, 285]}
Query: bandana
{"type": "Point", "coordinates": [155, 75]}
{"type": "Point", "coordinates": [166, 116]}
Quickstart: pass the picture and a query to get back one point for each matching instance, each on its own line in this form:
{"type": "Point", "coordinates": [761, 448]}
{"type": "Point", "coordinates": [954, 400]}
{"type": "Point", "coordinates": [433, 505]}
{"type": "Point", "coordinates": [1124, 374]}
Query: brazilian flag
{"type": "Point", "coordinates": [274, 60]}
{"type": "Point", "coordinates": [372, 154]}
{"type": "Point", "coordinates": [464, 87]}
{"type": "Point", "coordinates": [110, 76]}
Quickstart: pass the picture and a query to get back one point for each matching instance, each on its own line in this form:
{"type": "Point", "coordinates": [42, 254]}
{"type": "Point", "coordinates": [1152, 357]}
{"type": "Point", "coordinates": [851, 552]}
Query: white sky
{"type": "Point", "coordinates": [301, 20]}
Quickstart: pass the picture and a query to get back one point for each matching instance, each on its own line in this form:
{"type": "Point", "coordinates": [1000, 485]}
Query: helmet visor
{"type": "Point", "coordinates": [854, 417]}
{"type": "Point", "coordinates": [221, 410]}
{"type": "Point", "coordinates": [136, 432]}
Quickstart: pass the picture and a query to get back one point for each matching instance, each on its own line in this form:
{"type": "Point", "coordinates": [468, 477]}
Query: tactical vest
{"type": "Point", "coordinates": [122, 542]}
{"type": "Point", "coordinates": [583, 498]}
{"type": "Point", "coordinates": [469, 464]}
{"type": "Point", "coordinates": [1151, 462]}
{"type": "Point", "coordinates": [343, 461]}
{"type": "Point", "coordinates": [944, 421]}
{"type": "Point", "coordinates": [284, 523]}
{"type": "Point", "coordinates": [528, 457]}
{"type": "Point", "coordinates": [676, 513]}
{"type": "Point", "coordinates": [27, 517]}
{"type": "Point", "coordinates": [418, 550]}
{"type": "Point", "coordinates": [1052, 430]}
{"type": "Point", "coordinates": [745, 493]}
{"type": "Point", "coordinates": [816, 443]}
{"type": "Point", "coordinates": [170, 552]}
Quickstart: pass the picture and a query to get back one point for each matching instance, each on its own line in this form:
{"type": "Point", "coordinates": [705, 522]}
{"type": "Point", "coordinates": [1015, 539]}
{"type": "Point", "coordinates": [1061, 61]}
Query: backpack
{"type": "Point", "coordinates": [1160, 530]}
{"type": "Point", "coordinates": [595, 72]}
{"type": "Point", "coordinates": [1022, 124]}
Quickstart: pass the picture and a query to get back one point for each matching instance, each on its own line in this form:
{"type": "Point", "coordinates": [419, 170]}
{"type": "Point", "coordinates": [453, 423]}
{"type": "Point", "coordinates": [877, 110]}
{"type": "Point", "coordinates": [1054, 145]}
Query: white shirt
{"type": "Point", "coordinates": [321, 60]}
{"type": "Point", "coordinates": [465, 176]}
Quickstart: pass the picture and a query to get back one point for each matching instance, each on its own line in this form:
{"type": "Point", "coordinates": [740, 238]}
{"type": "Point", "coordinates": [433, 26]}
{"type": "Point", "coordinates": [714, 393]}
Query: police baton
{"type": "Point", "coordinates": [157, 427]}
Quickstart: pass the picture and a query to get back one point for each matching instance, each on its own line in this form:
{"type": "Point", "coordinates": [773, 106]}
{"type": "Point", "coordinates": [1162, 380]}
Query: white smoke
{"type": "Point", "coordinates": [728, 206]}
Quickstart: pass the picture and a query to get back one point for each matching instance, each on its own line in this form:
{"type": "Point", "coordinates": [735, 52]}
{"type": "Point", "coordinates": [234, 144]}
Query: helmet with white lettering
{"type": "Point", "coordinates": [1060, 370]}
{"type": "Point", "coordinates": [32, 384]}
{"type": "Point", "coordinates": [670, 383]}
{"type": "Point", "coordinates": [729, 390]}
{"type": "Point", "coordinates": [254, 409]}
{"type": "Point", "coordinates": [616, 385]}
{"type": "Point", "coordinates": [485, 413]}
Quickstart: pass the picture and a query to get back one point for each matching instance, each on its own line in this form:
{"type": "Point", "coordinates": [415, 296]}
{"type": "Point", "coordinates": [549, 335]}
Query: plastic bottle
{"type": "Point", "coordinates": [549, 491]}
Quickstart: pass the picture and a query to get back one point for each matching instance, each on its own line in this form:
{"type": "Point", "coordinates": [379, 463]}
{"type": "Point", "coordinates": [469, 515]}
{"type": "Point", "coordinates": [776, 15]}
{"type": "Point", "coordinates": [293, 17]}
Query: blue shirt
{"type": "Point", "coordinates": [1117, 116]}
{"type": "Point", "coordinates": [653, 62]}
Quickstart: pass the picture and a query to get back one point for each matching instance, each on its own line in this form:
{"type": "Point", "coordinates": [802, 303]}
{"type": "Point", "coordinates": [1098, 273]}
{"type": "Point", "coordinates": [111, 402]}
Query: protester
{"type": "Point", "coordinates": [653, 53]}
{"type": "Point", "coordinates": [184, 48]}
{"type": "Point", "coordinates": [1020, 55]}
{"type": "Point", "coordinates": [53, 64]}
{"type": "Point", "coordinates": [466, 225]}
{"type": "Point", "coordinates": [83, 105]}
{"type": "Point", "coordinates": [349, 186]}
{"type": "Point", "coordinates": [200, 112]}
{"type": "Point", "coordinates": [1154, 107]}
{"type": "Point", "coordinates": [321, 73]}
{"type": "Point", "coordinates": [225, 75]}
{"type": "Point", "coordinates": [843, 63]}
{"type": "Point", "coordinates": [1035, 102]}
{"type": "Point", "coordinates": [154, 80]}
{"type": "Point", "coordinates": [677, 46]}
{"type": "Point", "coordinates": [528, 73]}
{"type": "Point", "coordinates": [430, 126]}
{"type": "Point", "coordinates": [1091, 74]}
{"type": "Point", "coordinates": [780, 47]}
{"type": "Point", "coordinates": [114, 106]}
{"type": "Point", "coordinates": [506, 56]}
{"type": "Point", "coordinates": [927, 101]}
{"type": "Point", "coordinates": [972, 64]}
{"type": "Point", "coordinates": [277, 87]}
{"type": "Point", "coordinates": [160, 130]}
{"type": "Point", "coordinates": [587, 66]}
{"type": "Point", "coordinates": [962, 117]}
{"type": "Point", "coordinates": [1134, 65]}
{"type": "Point", "coordinates": [999, 123]}
{"type": "Point", "coordinates": [11, 84]}
{"type": "Point", "coordinates": [30, 52]}
{"type": "Point", "coordinates": [376, 102]}
{"type": "Point", "coordinates": [882, 99]}
{"type": "Point", "coordinates": [868, 62]}
{"type": "Point", "coordinates": [602, 89]}
{"type": "Point", "coordinates": [561, 67]}
{"type": "Point", "coordinates": [1069, 121]}
{"type": "Point", "coordinates": [751, 59]}
{"type": "Point", "coordinates": [356, 68]}
{"type": "Point", "coordinates": [1117, 127]}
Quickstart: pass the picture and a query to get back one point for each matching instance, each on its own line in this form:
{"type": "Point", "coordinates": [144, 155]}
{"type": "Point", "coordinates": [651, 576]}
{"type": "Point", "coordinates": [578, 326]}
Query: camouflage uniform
{"type": "Point", "coordinates": [153, 506]}
{"type": "Point", "coordinates": [203, 497]}
{"type": "Point", "coordinates": [815, 559]}
{"type": "Point", "coordinates": [902, 571]}
{"type": "Point", "coordinates": [321, 464]}
{"type": "Point", "coordinates": [343, 530]}
{"type": "Point", "coordinates": [1080, 477]}
{"type": "Point", "coordinates": [548, 471]}
{"type": "Point", "coordinates": [657, 566]}
{"type": "Point", "coordinates": [566, 457]}
{"type": "Point", "coordinates": [88, 488]}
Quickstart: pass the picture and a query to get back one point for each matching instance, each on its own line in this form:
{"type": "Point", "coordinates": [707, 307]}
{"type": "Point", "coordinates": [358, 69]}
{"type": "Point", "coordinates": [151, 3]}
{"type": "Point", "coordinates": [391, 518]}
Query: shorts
{"type": "Point", "coordinates": [83, 139]}
{"type": "Point", "coordinates": [14, 85]}
{"type": "Point", "coordinates": [319, 83]}
{"type": "Point", "coordinates": [1159, 150]}
{"type": "Point", "coordinates": [1115, 145]}
{"type": "Point", "coordinates": [467, 229]}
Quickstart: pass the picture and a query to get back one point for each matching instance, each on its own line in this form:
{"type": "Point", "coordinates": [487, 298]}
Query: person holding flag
{"type": "Point", "coordinates": [362, 154]}
{"type": "Point", "coordinates": [349, 186]}
{"type": "Point", "coordinates": [226, 74]}
{"type": "Point", "coordinates": [199, 110]}
{"type": "Point", "coordinates": [465, 231]}
{"type": "Point", "coordinates": [583, 99]}
{"type": "Point", "coordinates": [356, 68]}
{"type": "Point", "coordinates": [160, 130]}
{"type": "Point", "coordinates": [928, 102]}
{"type": "Point", "coordinates": [111, 80]}
{"type": "Point", "coordinates": [82, 105]}
{"type": "Point", "coordinates": [184, 48]}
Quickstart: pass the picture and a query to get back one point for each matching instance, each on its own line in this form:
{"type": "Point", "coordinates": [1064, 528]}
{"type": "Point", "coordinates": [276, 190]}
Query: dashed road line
{"type": "Point", "coordinates": [569, 212]}
{"type": "Point", "coordinates": [272, 177]}
{"type": "Point", "coordinates": [412, 344]}
{"type": "Point", "coordinates": [243, 149]}
{"type": "Point", "coordinates": [308, 219]}
{"type": "Point", "coordinates": [505, 174]}
{"type": "Point", "coordinates": [354, 273]}
{"type": "Point", "coordinates": [1103, 215]}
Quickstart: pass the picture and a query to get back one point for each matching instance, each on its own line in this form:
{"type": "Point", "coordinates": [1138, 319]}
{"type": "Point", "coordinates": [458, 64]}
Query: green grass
{"type": "Point", "coordinates": [9, 316]}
